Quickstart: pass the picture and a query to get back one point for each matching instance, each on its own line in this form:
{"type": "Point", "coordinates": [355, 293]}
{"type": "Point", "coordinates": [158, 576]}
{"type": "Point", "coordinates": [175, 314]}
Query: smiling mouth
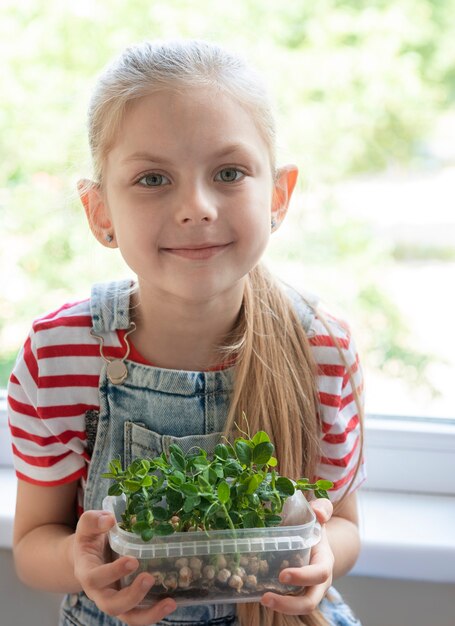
{"type": "Point", "coordinates": [197, 253]}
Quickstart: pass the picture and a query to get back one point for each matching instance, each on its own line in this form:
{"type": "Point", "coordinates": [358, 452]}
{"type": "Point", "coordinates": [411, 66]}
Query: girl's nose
{"type": "Point", "coordinates": [196, 205]}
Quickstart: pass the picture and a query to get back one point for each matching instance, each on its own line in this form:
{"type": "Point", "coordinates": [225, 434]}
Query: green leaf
{"type": "Point", "coordinates": [203, 482]}
{"type": "Point", "coordinates": [160, 463]}
{"type": "Point", "coordinates": [252, 520]}
{"type": "Point", "coordinates": [324, 484]}
{"type": "Point", "coordinates": [190, 504]}
{"type": "Point", "coordinates": [147, 534]}
{"type": "Point", "coordinates": [176, 449]}
{"type": "Point", "coordinates": [260, 437]}
{"type": "Point", "coordinates": [212, 476]}
{"type": "Point", "coordinates": [132, 485]}
{"type": "Point", "coordinates": [262, 452]}
{"type": "Point", "coordinates": [115, 466]}
{"type": "Point", "coordinates": [253, 483]}
{"type": "Point", "coordinates": [241, 487]}
{"type": "Point", "coordinates": [174, 499]}
{"type": "Point", "coordinates": [221, 452]}
{"type": "Point", "coordinates": [218, 470]}
{"type": "Point", "coordinates": [115, 490]}
{"type": "Point", "coordinates": [176, 478]}
{"type": "Point", "coordinates": [223, 492]}
{"type": "Point", "coordinates": [284, 486]}
{"type": "Point", "coordinates": [145, 466]}
{"type": "Point", "coordinates": [189, 490]}
{"type": "Point", "coordinates": [147, 481]}
{"type": "Point", "coordinates": [160, 513]}
{"type": "Point", "coordinates": [232, 469]}
{"type": "Point", "coordinates": [135, 467]}
{"type": "Point", "coordinates": [177, 461]}
{"type": "Point", "coordinates": [164, 529]}
{"type": "Point", "coordinates": [204, 505]}
{"type": "Point", "coordinates": [272, 462]}
{"type": "Point", "coordinates": [243, 451]}
{"type": "Point", "coordinates": [221, 523]}
{"type": "Point", "coordinates": [271, 519]}
{"type": "Point", "coordinates": [144, 515]}
{"type": "Point", "coordinates": [199, 466]}
{"type": "Point", "coordinates": [139, 527]}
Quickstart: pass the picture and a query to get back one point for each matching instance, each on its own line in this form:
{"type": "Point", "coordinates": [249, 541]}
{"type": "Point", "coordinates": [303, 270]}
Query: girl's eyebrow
{"type": "Point", "coordinates": [231, 148]}
{"type": "Point", "coordinates": [155, 158]}
{"type": "Point", "coordinates": [145, 156]}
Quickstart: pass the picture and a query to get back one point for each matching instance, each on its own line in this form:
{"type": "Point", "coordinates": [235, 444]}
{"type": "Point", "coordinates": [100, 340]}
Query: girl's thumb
{"type": "Point", "coordinates": [323, 509]}
{"type": "Point", "coordinates": [93, 523]}
{"type": "Point", "coordinates": [105, 521]}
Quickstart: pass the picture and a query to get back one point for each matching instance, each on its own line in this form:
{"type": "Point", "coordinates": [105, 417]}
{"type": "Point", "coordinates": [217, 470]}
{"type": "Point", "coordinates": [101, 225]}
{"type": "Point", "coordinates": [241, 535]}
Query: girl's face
{"type": "Point", "coordinates": [188, 193]}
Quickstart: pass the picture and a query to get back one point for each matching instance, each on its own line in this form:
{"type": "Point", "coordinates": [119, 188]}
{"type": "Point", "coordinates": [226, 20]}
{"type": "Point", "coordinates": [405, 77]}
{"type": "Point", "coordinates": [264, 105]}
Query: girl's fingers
{"type": "Point", "coordinates": [99, 579]}
{"type": "Point", "coordinates": [316, 578]}
{"type": "Point", "coordinates": [120, 601]}
{"type": "Point", "coordinates": [108, 574]}
{"type": "Point", "coordinates": [144, 617]}
{"type": "Point", "coordinates": [306, 576]}
{"type": "Point", "coordinates": [295, 605]}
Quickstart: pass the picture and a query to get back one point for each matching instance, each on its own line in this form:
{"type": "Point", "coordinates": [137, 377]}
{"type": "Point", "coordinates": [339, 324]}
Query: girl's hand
{"type": "Point", "coordinates": [99, 578]}
{"type": "Point", "coordinates": [315, 577]}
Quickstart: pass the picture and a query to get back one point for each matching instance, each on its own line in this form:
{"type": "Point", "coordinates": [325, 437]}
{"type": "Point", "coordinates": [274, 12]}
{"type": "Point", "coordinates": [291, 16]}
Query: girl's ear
{"type": "Point", "coordinates": [286, 178]}
{"type": "Point", "coordinates": [96, 211]}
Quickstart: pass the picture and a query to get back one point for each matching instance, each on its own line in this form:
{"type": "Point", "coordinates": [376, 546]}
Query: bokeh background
{"type": "Point", "coordinates": [365, 102]}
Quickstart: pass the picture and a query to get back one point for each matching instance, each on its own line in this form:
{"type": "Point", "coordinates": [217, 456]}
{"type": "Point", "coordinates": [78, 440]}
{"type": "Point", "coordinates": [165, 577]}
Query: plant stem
{"type": "Point", "coordinates": [231, 525]}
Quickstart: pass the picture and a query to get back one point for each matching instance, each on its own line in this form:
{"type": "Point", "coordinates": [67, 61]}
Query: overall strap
{"type": "Point", "coordinates": [305, 304]}
{"type": "Point", "coordinates": [109, 306]}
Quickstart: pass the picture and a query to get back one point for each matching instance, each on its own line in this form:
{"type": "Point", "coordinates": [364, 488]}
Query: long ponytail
{"type": "Point", "coordinates": [276, 389]}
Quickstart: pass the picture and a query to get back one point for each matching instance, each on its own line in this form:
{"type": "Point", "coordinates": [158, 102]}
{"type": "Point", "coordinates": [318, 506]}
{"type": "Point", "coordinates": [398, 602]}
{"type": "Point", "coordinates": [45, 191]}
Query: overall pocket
{"type": "Point", "coordinates": [141, 442]}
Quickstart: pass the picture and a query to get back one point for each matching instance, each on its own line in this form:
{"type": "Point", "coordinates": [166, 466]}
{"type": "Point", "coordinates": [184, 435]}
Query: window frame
{"type": "Point", "coordinates": [410, 454]}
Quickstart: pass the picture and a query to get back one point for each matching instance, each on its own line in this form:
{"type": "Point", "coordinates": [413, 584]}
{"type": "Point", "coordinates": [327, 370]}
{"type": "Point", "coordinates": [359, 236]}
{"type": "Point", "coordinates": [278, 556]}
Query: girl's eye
{"type": "Point", "coordinates": [154, 180]}
{"type": "Point", "coordinates": [229, 175]}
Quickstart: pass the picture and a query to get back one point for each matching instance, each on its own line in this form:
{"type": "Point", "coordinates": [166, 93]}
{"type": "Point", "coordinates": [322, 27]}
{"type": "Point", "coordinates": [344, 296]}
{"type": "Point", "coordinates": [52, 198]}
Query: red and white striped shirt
{"type": "Point", "coordinates": [56, 377]}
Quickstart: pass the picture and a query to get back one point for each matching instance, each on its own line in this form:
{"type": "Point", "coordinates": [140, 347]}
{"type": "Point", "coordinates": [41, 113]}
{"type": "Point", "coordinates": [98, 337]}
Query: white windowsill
{"type": "Point", "coordinates": [406, 536]}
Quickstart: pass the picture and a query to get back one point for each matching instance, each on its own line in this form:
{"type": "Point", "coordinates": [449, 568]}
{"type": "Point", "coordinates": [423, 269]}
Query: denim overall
{"type": "Point", "coordinates": [143, 416]}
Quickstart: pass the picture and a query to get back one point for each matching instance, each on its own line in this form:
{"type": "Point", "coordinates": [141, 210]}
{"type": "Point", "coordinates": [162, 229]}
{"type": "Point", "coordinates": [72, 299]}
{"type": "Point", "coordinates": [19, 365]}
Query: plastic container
{"type": "Point", "coordinates": [217, 566]}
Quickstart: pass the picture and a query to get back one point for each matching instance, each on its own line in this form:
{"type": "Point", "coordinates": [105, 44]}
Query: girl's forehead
{"type": "Point", "coordinates": [197, 102]}
{"type": "Point", "coordinates": [170, 120]}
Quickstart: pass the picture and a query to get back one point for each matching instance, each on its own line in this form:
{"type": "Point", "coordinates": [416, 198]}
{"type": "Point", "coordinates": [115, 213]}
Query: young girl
{"type": "Point", "coordinates": [186, 186]}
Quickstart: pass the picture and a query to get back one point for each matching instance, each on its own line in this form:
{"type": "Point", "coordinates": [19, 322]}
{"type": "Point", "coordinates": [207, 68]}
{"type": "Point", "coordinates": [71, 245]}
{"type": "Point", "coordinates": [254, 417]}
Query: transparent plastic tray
{"type": "Point", "coordinates": [217, 566]}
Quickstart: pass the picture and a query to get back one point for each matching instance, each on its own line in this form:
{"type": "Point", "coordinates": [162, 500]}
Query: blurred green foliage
{"type": "Point", "coordinates": [357, 86]}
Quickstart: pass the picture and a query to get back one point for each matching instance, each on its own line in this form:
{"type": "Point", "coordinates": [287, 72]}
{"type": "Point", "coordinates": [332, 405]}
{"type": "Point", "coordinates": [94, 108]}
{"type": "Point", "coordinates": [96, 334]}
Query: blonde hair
{"type": "Point", "coordinates": [276, 388]}
{"type": "Point", "coordinates": [275, 383]}
{"type": "Point", "coordinates": [150, 67]}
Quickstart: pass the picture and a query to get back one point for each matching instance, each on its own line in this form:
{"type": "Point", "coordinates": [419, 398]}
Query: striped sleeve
{"type": "Point", "coordinates": [49, 391]}
{"type": "Point", "coordinates": [338, 376]}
